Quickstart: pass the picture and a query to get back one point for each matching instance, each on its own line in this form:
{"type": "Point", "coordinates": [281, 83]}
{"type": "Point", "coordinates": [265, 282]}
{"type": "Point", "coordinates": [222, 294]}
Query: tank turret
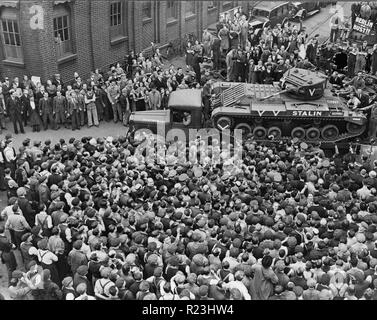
{"type": "Point", "coordinates": [304, 84]}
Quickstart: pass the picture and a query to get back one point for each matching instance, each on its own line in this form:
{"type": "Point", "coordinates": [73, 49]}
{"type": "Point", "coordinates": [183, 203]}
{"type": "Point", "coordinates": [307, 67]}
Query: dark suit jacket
{"type": "Point", "coordinates": [364, 99]}
{"type": "Point", "coordinates": [15, 108]}
{"type": "Point", "coordinates": [25, 103]}
{"type": "Point", "coordinates": [59, 104]}
{"type": "Point", "coordinates": [45, 106]}
{"type": "Point", "coordinates": [27, 211]}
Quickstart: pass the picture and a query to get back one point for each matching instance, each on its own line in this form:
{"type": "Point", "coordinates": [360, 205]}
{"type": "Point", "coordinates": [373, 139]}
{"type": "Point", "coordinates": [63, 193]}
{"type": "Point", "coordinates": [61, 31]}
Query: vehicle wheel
{"type": "Point", "coordinates": [355, 128]}
{"type": "Point", "coordinates": [260, 132]}
{"type": "Point", "coordinates": [313, 134]}
{"type": "Point", "coordinates": [298, 133]}
{"type": "Point", "coordinates": [246, 128]}
{"type": "Point", "coordinates": [274, 131]}
{"type": "Point", "coordinates": [330, 132]}
{"type": "Point", "coordinates": [224, 123]}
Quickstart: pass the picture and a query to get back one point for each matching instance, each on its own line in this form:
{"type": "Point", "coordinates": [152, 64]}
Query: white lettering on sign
{"type": "Point", "coordinates": [260, 112]}
{"type": "Point", "coordinates": [276, 113]}
{"type": "Point", "coordinates": [307, 113]}
{"type": "Point", "coordinates": [37, 20]}
{"type": "Point", "coordinates": [362, 25]}
{"type": "Point", "coordinates": [311, 91]}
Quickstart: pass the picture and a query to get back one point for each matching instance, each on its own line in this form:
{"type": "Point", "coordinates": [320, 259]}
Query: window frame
{"type": "Point", "coordinates": [214, 7]}
{"type": "Point", "coordinates": [227, 5]}
{"type": "Point", "coordinates": [285, 9]}
{"type": "Point", "coordinates": [64, 46]}
{"type": "Point", "coordinates": [274, 13]}
{"type": "Point", "coordinates": [10, 19]}
{"type": "Point", "coordinates": [174, 8]}
{"type": "Point", "coordinates": [181, 111]}
{"type": "Point", "coordinates": [118, 15]}
{"type": "Point", "coordinates": [192, 12]}
{"type": "Point", "coordinates": [146, 5]}
{"type": "Point", "coordinates": [117, 32]}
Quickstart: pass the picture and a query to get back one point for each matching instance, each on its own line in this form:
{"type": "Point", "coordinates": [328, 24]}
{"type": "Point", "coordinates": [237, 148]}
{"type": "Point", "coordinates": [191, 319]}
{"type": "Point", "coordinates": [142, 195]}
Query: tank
{"type": "Point", "coordinates": [299, 106]}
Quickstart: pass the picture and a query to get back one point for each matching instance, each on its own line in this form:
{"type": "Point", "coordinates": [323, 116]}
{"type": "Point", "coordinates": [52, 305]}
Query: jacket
{"type": "Point", "coordinates": [263, 282]}
{"type": "Point", "coordinates": [76, 259]}
{"type": "Point", "coordinates": [45, 106]}
{"type": "Point", "coordinates": [59, 104]}
{"type": "Point", "coordinates": [27, 210]}
{"type": "Point", "coordinates": [72, 105]}
{"type": "Point", "coordinates": [25, 104]}
{"type": "Point", "coordinates": [14, 106]}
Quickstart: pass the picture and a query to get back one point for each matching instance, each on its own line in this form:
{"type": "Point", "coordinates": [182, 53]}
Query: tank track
{"type": "Point", "coordinates": [342, 137]}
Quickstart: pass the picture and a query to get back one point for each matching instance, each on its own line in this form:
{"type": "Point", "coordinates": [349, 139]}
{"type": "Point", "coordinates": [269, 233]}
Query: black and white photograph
{"type": "Point", "coordinates": [194, 151]}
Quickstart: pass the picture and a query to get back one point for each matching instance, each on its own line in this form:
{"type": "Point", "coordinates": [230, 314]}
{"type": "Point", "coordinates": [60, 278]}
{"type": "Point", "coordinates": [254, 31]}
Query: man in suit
{"type": "Point", "coordinates": [216, 53]}
{"type": "Point", "coordinates": [25, 206]}
{"type": "Point", "coordinates": [25, 103]}
{"type": "Point", "coordinates": [15, 111]}
{"type": "Point", "coordinates": [45, 107]}
{"type": "Point", "coordinates": [311, 51]}
{"type": "Point", "coordinates": [6, 88]}
{"type": "Point", "coordinates": [196, 66]}
{"type": "Point", "coordinates": [59, 109]}
{"type": "Point", "coordinates": [3, 111]}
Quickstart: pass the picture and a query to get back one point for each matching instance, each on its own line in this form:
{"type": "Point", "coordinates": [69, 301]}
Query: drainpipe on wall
{"type": "Point", "coordinates": [91, 36]}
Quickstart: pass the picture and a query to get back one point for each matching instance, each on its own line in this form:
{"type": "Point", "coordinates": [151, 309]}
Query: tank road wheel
{"type": "Point", "coordinates": [313, 134]}
{"type": "Point", "coordinates": [274, 131]}
{"type": "Point", "coordinates": [298, 133]}
{"type": "Point", "coordinates": [224, 123]}
{"type": "Point", "coordinates": [353, 128]}
{"type": "Point", "coordinates": [330, 132]}
{"type": "Point", "coordinates": [260, 132]}
{"type": "Point", "coordinates": [246, 128]}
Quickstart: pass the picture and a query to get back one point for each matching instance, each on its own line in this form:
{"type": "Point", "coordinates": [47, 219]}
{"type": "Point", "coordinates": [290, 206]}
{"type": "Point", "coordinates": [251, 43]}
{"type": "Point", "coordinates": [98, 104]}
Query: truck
{"type": "Point", "coordinates": [180, 101]}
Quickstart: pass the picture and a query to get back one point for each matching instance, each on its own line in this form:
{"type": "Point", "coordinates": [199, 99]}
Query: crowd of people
{"type": "Point", "coordinates": [259, 56]}
{"type": "Point", "coordinates": [141, 82]}
{"type": "Point", "coordinates": [92, 219]}
{"type": "Point", "coordinates": [262, 55]}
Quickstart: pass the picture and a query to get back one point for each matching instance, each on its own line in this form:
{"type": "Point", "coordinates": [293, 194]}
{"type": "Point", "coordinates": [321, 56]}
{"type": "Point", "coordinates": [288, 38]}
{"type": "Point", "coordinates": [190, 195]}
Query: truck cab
{"type": "Point", "coordinates": [183, 101]}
